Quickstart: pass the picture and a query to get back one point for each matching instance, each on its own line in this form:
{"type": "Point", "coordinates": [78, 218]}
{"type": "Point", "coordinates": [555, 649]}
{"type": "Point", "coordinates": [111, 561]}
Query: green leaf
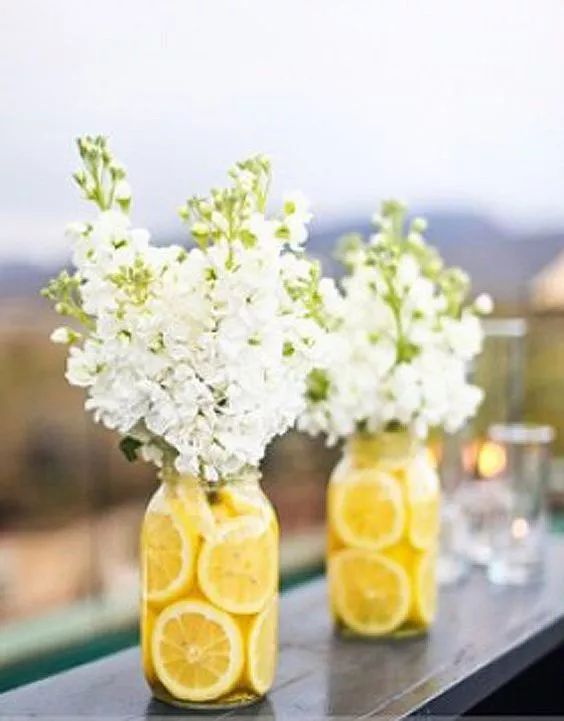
{"type": "Point", "coordinates": [129, 447]}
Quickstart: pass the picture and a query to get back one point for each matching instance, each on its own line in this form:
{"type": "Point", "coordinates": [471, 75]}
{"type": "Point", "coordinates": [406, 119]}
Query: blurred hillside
{"type": "Point", "coordinates": [498, 261]}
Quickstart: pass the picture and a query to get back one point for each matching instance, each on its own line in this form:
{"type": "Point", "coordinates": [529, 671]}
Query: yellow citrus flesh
{"type": "Point", "coordinates": [425, 588]}
{"type": "Point", "coordinates": [191, 503]}
{"type": "Point", "coordinates": [383, 528]}
{"type": "Point", "coordinates": [422, 489]}
{"type": "Point", "coordinates": [238, 569]}
{"type": "Point", "coordinates": [243, 500]}
{"type": "Point", "coordinates": [209, 610]}
{"type": "Point", "coordinates": [261, 648]}
{"type": "Point", "coordinates": [366, 509]}
{"type": "Point", "coordinates": [147, 624]}
{"type": "Point", "coordinates": [402, 553]}
{"type": "Point", "coordinates": [424, 523]}
{"type": "Point", "coordinates": [222, 512]}
{"type": "Point", "coordinates": [197, 651]}
{"type": "Point", "coordinates": [169, 550]}
{"type": "Point", "coordinates": [370, 592]}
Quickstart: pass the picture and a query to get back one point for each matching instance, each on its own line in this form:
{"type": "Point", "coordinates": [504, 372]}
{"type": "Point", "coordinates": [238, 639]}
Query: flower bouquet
{"type": "Point", "coordinates": [197, 357]}
{"type": "Point", "coordinates": [403, 337]}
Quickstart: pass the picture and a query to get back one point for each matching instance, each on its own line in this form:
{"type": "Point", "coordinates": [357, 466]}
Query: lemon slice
{"type": "Point", "coordinates": [402, 553]}
{"type": "Point", "coordinates": [425, 588]}
{"type": "Point", "coordinates": [238, 570]}
{"type": "Point", "coordinates": [196, 509]}
{"type": "Point", "coordinates": [246, 499]}
{"type": "Point", "coordinates": [422, 485]}
{"type": "Point", "coordinates": [222, 511]}
{"type": "Point", "coordinates": [367, 509]}
{"type": "Point", "coordinates": [147, 624]}
{"type": "Point", "coordinates": [197, 651]}
{"type": "Point", "coordinates": [261, 648]}
{"type": "Point", "coordinates": [424, 523]}
{"type": "Point", "coordinates": [370, 592]}
{"type": "Point", "coordinates": [169, 550]}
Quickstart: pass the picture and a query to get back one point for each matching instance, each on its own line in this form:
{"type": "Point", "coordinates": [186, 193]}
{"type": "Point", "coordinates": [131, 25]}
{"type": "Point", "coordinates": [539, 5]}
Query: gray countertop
{"type": "Point", "coordinates": [483, 637]}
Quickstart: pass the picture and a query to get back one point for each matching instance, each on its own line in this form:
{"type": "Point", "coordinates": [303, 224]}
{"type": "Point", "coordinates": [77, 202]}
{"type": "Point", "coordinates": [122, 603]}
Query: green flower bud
{"type": "Point", "coordinates": [200, 230]}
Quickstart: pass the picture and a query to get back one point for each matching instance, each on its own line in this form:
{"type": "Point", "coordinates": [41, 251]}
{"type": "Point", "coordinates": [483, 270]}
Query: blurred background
{"type": "Point", "coordinates": [454, 107]}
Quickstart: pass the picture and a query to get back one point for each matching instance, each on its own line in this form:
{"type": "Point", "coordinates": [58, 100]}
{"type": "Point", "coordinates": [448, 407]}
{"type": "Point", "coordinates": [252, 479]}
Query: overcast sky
{"type": "Point", "coordinates": [438, 102]}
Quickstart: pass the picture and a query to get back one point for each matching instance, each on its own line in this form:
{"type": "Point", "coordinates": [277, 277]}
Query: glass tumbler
{"type": "Point", "coordinates": [518, 531]}
{"type": "Point", "coordinates": [499, 371]}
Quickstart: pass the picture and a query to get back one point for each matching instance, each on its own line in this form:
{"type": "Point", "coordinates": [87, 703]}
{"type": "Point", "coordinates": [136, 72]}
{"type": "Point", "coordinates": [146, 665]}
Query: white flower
{"type": "Point", "coordinates": [464, 336]}
{"type": "Point", "coordinates": [483, 304]}
{"type": "Point", "coordinates": [60, 335]}
{"type": "Point", "coordinates": [297, 232]}
{"type": "Point", "coordinates": [296, 217]}
{"type": "Point", "coordinates": [401, 341]}
{"type": "Point", "coordinates": [82, 366]}
{"type": "Point", "coordinates": [407, 271]}
{"type": "Point", "coordinates": [297, 204]}
{"type": "Point", "coordinates": [201, 356]}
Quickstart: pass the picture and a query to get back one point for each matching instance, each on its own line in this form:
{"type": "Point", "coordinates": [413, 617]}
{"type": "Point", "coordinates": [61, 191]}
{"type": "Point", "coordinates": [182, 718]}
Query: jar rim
{"type": "Point", "coordinates": [248, 475]}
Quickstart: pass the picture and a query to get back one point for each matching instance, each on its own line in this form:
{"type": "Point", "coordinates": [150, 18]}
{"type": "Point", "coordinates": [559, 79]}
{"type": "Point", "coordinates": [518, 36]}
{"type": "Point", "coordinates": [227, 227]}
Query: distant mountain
{"type": "Point", "coordinates": [23, 279]}
{"type": "Point", "coordinates": [499, 262]}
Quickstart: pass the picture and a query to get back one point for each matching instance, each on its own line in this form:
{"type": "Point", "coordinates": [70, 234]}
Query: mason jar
{"type": "Point", "coordinates": [383, 530]}
{"type": "Point", "coordinates": [209, 592]}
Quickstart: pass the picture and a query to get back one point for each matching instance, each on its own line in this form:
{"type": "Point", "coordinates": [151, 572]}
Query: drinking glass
{"type": "Point", "coordinates": [499, 371]}
{"type": "Point", "coordinates": [518, 530]}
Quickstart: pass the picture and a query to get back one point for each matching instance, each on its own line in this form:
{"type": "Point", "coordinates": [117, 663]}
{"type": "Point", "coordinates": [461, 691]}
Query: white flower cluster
{"type": "Point", "coordinates": [403, 339]}
{"type": "Point", "coordinates": [197, 357]}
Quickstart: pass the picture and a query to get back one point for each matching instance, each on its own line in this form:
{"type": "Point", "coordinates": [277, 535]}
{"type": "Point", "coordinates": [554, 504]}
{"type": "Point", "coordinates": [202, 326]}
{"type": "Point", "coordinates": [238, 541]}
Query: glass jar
{"type": "Point", "coordinates": [383, 529]}
{"type": "Point", "coordinates": [518, 531]}
{"type": "Point", "coordinates": [209, 593]}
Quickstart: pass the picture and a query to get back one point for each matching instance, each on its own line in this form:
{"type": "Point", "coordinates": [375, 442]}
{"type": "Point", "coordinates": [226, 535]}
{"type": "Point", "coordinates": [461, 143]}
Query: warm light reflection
{"type": "Point", "coordinates": [470, 454]}
{"type": "Point", "coordinates": [519, 528]}
{"type": "Point", "coordinates": [491, 459]}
